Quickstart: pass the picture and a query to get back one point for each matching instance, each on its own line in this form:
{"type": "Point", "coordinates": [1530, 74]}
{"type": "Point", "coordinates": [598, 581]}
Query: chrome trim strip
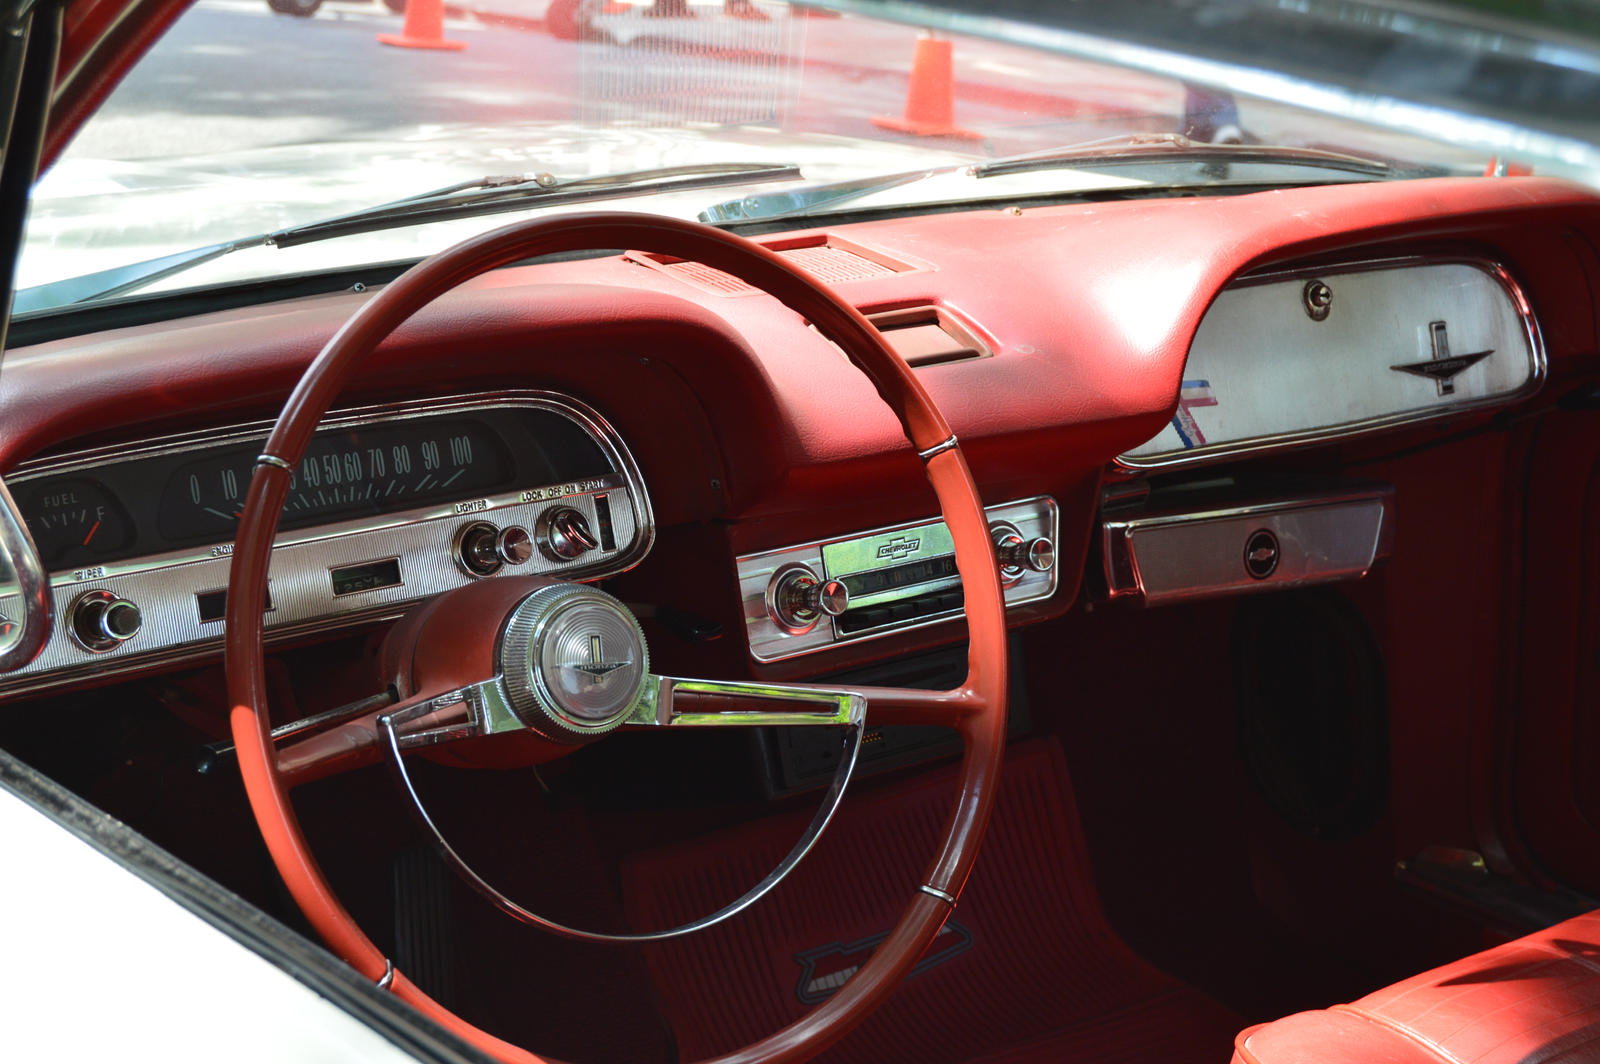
{"type": "Point", "coordinates": [274, 460]}
{"type": "Point", "coordinates": [387, 979]}
{"type": "Point", "coordinates": [939, 448]}
{"type": "Point", "coordinates": [1309, 437]}
{"type": "Point", "coordinates": [948, 899]}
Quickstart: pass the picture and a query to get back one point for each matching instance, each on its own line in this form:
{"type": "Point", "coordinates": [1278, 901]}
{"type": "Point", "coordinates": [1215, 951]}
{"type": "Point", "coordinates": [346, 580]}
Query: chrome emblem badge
{"type": "Point", "coordinates": [1261, 554]}
{"type": "Point", "coordinates": [900, 547]}
{"type": "Point", "coordinates": [597, 668]}
{"type": "Point", "coordinates": [1443, 366]}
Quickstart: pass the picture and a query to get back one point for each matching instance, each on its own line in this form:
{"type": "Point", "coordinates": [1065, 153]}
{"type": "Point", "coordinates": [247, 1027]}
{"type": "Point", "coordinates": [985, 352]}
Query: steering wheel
{"type": "Point", "coordinates": [496, 659]}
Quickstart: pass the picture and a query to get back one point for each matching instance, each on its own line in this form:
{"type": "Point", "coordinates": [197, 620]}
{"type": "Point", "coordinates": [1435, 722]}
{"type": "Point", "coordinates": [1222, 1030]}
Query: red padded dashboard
{"type": "Point", "coordinates": [740, 413]}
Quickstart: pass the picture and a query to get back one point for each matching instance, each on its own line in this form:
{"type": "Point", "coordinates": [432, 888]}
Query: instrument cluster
{"type": "Point", "coordinates": [388, 506]}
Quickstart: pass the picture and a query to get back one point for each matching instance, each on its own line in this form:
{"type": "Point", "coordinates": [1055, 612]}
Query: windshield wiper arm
{"type": "Point", "coordinates": [467, 199]}
{"type": "Point", "coordinates": [493, 195]}
{"type": "Point", "coordinates": [1136, 149]}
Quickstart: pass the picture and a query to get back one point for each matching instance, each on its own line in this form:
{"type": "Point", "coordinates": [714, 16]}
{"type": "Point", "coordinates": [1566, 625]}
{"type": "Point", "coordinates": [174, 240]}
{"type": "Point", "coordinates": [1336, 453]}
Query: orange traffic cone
{"type": "Point", "coordinates": [931, 98]}
{"type": "Point", "coordinates": [424, 28]}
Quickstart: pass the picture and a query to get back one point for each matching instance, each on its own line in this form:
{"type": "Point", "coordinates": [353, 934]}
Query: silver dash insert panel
{"type": "Point", "coordinates": [1032, 517]}
{"type": "Point", "coordinates": [1175, 557]}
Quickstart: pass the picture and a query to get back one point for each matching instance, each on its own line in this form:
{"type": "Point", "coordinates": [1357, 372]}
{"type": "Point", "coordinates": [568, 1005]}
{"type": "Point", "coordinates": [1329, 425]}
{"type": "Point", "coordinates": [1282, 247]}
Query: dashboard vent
{"type": "Point", "coordinates": [929, 335]}
{"type": "Point", "coordinates": [828, 258]}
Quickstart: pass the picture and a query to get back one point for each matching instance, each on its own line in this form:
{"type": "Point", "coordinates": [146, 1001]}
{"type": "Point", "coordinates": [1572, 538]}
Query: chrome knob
{"type": "Point", "coordinates": [563, 534]}
{"type": "Point", "coordinates": [797, 599]}
{"type": "Point", "coordinates": [100, 621]}
{"type": "Point", "coordinates": [515, 545]}
{"type": "Point", "coordinates": [121, 620]}
{"type": "Point", "coordinates": [476, 549]}
{"type": "Point", "coordinates": [1017, 553]}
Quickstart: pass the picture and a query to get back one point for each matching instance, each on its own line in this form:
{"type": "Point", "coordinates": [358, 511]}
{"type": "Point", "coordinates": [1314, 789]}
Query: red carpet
{"type": "Point", "coordinates": [1028, 970]}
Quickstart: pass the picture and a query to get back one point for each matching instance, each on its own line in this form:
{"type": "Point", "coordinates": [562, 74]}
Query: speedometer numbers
{"type": "Point", "coordinates": [348, 473]}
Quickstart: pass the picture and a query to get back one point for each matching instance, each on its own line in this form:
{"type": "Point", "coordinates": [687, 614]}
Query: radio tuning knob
{"type": "Point", "coordinates": [1017, 553]}
{"type": "Point", "coordinates": [563, 534]}
{"type": "Point", "coordinates": [797, 599]}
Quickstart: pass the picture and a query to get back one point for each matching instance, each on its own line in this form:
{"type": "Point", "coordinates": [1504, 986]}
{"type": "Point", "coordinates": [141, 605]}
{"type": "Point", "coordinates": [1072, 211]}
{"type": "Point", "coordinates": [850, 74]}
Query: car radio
{"type": "Point", "coordinates": [815, 595]}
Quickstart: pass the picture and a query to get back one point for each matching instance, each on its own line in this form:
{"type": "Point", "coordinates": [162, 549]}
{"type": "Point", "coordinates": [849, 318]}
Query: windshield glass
{"type": "Point", "coordinates": [251, 119]}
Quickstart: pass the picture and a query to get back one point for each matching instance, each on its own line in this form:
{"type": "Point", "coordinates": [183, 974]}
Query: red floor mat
{"type": "Point", "coordinates": [1027, 969]}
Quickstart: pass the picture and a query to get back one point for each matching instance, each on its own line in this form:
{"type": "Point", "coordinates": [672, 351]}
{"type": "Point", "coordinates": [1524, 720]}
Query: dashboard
{"type": "Point", "coordinates": [1110, 379]}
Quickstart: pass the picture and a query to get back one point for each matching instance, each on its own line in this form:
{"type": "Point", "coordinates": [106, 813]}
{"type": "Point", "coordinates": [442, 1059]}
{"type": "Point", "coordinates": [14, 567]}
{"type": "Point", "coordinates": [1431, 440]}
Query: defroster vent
{"type": "Point", "coordinates": [826, 257]}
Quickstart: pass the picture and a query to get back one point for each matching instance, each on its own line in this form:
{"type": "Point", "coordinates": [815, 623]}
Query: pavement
{"type": "Point", "coordinates": [305, 80]}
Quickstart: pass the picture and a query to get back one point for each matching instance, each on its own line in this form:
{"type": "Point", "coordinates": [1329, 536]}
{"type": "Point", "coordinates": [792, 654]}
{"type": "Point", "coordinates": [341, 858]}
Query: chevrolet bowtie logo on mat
{"type": "Point", "coordinates": [826, 968]}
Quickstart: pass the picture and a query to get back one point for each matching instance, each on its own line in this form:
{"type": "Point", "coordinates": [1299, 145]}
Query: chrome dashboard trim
{"type": "Point", "coordinates": [767, 642]}
{"type": "Point", "coordinates": [1202, 552]}
{"type": "Point", "coordinates": [37, 615]}
{"type": "Point", "coordinates": [1130, 465]}
{"type": "Point", "coordinates": [626, 481]}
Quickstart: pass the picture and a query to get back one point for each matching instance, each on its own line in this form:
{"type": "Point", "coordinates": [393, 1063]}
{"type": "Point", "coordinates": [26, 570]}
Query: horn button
{"type": "Point", "coordinates": [574, 661]}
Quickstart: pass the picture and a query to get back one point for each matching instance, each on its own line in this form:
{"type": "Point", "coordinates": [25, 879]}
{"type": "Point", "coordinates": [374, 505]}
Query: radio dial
{"type": "Point", "coordinates": [797, 599]}
{"type": "Point", "coordinates": [1018, 554]}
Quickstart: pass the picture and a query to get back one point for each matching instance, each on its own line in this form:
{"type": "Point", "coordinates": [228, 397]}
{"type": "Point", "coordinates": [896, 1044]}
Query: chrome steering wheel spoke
{"type": "Point", "coordinates": [668, 701]}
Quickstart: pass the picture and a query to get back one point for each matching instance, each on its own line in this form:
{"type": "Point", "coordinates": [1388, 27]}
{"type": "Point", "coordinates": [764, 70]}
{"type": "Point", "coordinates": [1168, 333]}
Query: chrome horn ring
{"type": "Point", "coordinates": [559, 679]}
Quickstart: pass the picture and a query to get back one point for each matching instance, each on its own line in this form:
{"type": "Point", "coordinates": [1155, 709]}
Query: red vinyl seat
{"type": "Point", "coordinates": [1535, 1000]}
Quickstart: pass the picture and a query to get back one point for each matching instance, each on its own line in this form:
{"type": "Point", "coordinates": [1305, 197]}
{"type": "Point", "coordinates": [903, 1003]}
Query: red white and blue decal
{"type": "Point", "coordinates": [1195, 393]}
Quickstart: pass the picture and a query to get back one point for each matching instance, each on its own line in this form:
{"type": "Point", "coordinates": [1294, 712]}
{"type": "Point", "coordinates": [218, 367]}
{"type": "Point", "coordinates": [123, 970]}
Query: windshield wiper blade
{"type": "Point", "coordinates": [1136, 149]}
{"type": "Point", "coordinates": [1140, 148]}
{"type": "Point", "coordinates": [493, 195]}
{"type": "Point", "coordinates": [467, 199]}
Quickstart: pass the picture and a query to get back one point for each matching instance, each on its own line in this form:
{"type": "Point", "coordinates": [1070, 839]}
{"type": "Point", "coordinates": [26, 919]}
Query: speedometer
{"type": "Point", "coordinates": [345, 473]}
{"type": "Point", "coordinates": [182, 493]}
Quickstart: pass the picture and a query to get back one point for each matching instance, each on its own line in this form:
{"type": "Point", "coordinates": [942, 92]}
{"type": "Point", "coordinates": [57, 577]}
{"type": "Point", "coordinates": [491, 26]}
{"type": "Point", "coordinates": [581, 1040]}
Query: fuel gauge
{"type": "Point", "coordinates": [74, 520]}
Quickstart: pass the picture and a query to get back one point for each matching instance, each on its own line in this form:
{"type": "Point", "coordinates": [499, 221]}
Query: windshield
{"type": "Point", "coordinates": [252, 119]}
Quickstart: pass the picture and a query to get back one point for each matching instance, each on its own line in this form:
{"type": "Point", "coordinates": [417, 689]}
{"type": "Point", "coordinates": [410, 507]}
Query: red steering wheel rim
{"type": "Point", "coordinates": [979, 702]}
